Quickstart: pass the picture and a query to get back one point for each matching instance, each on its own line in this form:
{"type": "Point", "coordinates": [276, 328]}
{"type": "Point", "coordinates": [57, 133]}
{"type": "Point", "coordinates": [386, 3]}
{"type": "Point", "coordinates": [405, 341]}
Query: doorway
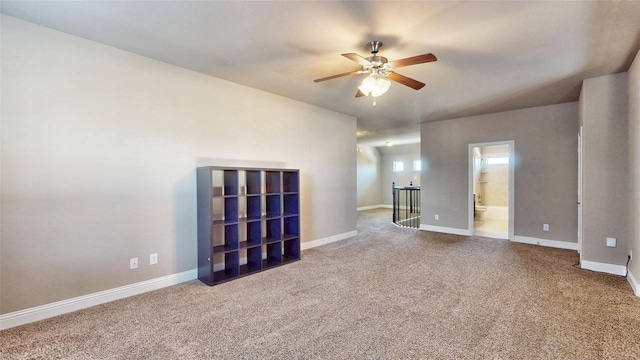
{"type": "Point", "coordinates": [491, 189]}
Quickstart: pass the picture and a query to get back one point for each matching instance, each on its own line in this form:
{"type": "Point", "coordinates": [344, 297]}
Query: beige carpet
{"type": "Point", "coordinates": [389, 293]}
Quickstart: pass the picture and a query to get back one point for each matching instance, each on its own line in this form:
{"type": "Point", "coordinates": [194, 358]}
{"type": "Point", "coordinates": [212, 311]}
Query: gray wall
{"type": "Point", "coordinates": [99, 150]}
{"type": "Point", "coordinates": [634, 168]}
{"type": "Point", "coordinates": [375, 174]}
{"type": "Point", "coordinates": [369, 178]}
{"type": "Point", "coordinates": [604, 117]}
{"type": "Point", "coordinates": [407, 153]}
{"type": "Point", "coordinates": [546, 167]}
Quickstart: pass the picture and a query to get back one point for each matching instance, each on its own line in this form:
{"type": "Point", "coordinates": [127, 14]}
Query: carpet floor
{"type": "Point", "coordinates": [389, 293]}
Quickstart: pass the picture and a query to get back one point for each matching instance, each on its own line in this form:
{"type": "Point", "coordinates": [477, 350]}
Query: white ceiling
{"type": "Point", "coordinates": [492, 56]}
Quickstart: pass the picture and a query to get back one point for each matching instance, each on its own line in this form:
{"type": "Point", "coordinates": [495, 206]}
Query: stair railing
{"type": "Point", "coordinates": [406, 205]}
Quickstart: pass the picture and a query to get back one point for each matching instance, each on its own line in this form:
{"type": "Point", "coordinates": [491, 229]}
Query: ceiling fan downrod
{"type": "Point", "coordinates": [375, 46]}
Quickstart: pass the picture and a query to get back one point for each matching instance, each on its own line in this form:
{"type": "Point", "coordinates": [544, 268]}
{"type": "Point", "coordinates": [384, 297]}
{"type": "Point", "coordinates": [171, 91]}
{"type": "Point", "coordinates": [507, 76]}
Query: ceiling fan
{"type": "Point", "coordinates": [380, 71]}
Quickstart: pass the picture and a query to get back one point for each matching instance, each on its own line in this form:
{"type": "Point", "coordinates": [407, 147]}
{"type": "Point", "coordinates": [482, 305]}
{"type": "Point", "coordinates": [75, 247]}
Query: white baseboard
{"type": "Point", "coordinates": [46, 311]}
{"type": "Point", "coordinates": [604, 268]}
{"type": "Point", "coordinates": [446, 230]}
{"type": "Point", "coordinates": [634, 283]}
{"type": "Point", "coordinates": [370, 207]}
{"type": "Point", "coordinates": [546, 242]}
{"type": "Point", "coordinates": [328, 240]}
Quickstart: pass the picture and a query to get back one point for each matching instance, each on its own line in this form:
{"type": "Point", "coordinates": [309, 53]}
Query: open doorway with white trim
{"type": "Point", "coordinates": [491, 174]}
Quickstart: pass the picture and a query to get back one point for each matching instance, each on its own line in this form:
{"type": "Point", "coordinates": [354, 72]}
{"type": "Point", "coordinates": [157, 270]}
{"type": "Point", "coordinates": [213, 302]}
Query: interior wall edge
{"type": "Point", "coordinates": [634, 283]}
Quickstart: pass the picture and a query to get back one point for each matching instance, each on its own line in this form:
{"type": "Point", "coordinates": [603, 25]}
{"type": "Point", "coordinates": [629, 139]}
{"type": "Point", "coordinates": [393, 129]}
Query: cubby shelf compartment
{"type": "Point", "coordinates": [291, 249]}
{"type": "Point", "coordinates": [254, 182]}
{"type": "Point", "coordinates": [272, 181]}
{"type": "Point", "coordinates": [291, 226]}
{"type": "Point", "coordinates": [231, 268]}
{"type": "Point", "coordinates": [254, 207]}
{"type": "Point", "coordinates": [273, 207]}
{"type": "Point", "coordinates": [248, 221]}
{"type": "Point", "coordinates": [290, 180]}
{"type": "Point", "coordinates": [230, 182]}
{"type": "Point", "coordinates": [254, 233]}
{"type": "Point", "coordinates": [274, 254]}
{"type": "Point", "coordinates": [273, 230]}
{"type": "Point", "coordinates": [291, 204]}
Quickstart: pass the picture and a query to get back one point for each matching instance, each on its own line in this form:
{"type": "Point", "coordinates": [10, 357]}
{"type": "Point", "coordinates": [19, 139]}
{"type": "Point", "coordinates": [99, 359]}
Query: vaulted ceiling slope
{"type": "Point", "coordinates": [492, 56]}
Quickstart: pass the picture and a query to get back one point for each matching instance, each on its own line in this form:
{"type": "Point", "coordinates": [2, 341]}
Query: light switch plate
{"type": "Point", "coordinates": [611, 242]}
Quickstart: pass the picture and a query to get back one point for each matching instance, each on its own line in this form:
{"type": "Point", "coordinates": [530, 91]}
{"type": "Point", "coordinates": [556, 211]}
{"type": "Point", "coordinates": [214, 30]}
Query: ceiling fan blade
{"type": "Point", "coordinates": [357, 58]}
{"type": "Point", "coordinates": [360, 94]}
{"type": "Point", "coordinates": [337, 76]}
{"type": "Point", "coordinates": [413, 60]}
{"type": "Point", "coordinates": [414, 84]}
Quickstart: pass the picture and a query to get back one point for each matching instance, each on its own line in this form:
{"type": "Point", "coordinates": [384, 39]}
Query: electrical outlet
{"type": "Point", "coordinates": [437, 217]}
{"type": "Point", "coordinates": [545, 227]}
{"type": "Point", "coordinates": [153, 259]}
{"type": "Point", "coordinates": [133, 263]}
{"type": "Point", "coordinates": [630, 254]}
{"type": "Point", "coordinates": [611, 242]}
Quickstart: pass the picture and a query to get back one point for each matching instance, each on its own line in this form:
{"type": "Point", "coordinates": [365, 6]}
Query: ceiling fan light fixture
{"type": "Point", "coordinates": [374, 86]}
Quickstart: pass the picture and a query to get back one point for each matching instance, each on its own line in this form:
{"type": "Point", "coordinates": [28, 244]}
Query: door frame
{"type": "Point", "coordinates": [580, 232]}
{"type": "Point", "coordinates": [512, 160]}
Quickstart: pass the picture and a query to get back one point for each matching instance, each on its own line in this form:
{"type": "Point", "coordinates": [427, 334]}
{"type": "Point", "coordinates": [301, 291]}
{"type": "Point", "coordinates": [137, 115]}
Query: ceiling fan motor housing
{"type": "Point", "coordinates": [377, 61]}
{"type": "Point", "coordinates": [378, 66]}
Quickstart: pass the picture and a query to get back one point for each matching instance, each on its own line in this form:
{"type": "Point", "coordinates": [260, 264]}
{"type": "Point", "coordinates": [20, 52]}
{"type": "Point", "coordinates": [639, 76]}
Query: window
{"type": "Point", "coordinates": [502, 160]}
{"type": "Point", "coordinates": [398, 166]}
{"type": "Point", "coordinates": [417, 165]}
